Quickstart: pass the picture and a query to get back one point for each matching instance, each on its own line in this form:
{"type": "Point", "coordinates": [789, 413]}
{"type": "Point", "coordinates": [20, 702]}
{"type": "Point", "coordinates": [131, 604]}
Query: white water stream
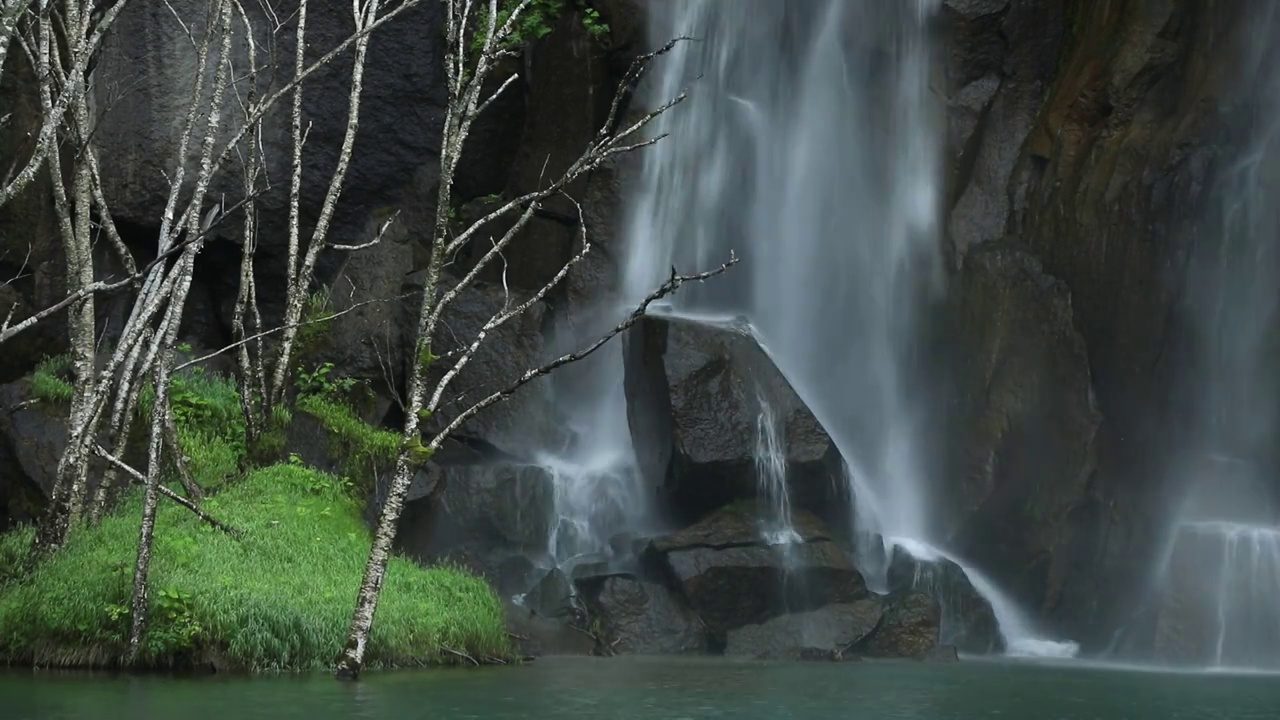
{"type": "Point", "coordinates": [809, 146]}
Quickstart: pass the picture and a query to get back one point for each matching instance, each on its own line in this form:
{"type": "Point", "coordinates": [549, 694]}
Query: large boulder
{"type": "Point", "coordinates": [1026, 420]}
{"type": "Point", "coordinates": [32, 436]}
{"type": "Point", "coordinates": [642, 617]}
{"type": "Point", "coordinates": [494, 518]}
{"type": "Point", "coordinates": [699, 398]}
{"type": "Point", "coordinates": [825, 633]}
{"type": "Point", "coordinates": [908, 629]}
{"type": "Point", "coordinates": [968, 622]}
{"type": "Point", "coordinates": [33, 433]}
{"type": "Point", "coordinates": [732, 577]}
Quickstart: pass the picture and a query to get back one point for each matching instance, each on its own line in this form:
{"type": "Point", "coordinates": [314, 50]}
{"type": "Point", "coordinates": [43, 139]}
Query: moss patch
{"type": "Point", "coordinates": [279, 599]}
{"type": "Point", "coordinates": [364, 451]}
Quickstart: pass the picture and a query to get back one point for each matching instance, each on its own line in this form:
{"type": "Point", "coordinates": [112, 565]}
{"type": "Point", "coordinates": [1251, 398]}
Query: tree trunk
{"type": "Point", "coordinates": [351, 659]}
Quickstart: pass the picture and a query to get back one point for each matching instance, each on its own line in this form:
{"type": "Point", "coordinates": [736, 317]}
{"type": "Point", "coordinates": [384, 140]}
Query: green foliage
{"type": "Point", "coordinates": [278, 599]}
{"type": "Point", "coordinates": [362, 448]}
{"type": "Point", "coordinates": [321, 381]}
{"type": "Point", "coordinates": [206, 409]}
{"type": "Point", "coordinates": [50, 381]}
{"type": "Point", "coordinates": [537, 20]}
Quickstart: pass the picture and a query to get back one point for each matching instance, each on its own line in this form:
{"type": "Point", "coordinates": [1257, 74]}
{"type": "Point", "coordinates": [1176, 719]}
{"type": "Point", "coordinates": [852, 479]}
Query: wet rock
{"type": "Point", "coordinates": [697, 395]}
{"type": "Point", "coordinates": [551, 597]}
{"type": "Point", "coordinates": [366, 341]}
{"type": "Point", "coordinates": [824, 633]}
{"type": "Point", "coordinates": [909, 628]}
{"type": "Point", "coordinates": [968, 622]}
{"type": "Point", "coordinates": [1027, 417]}
{"type": "Point", "coordinates": [486, 515]}
{"type": "Point", "coordinates": [641, 617]}
{"type": "Point", "coordinates": [150, 52]}
{"type": "Point", "coordinates": [732, 578]}
{"type": "Point", "coordinates": [32, 437]}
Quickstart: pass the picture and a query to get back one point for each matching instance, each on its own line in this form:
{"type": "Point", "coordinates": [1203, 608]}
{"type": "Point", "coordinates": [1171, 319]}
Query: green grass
{"type": "Point", "coordinates": [362, 448]}
{"type": "Point", "coordinates": [49, 382]}
{"type": "Point", "coordinates": [278, 599]}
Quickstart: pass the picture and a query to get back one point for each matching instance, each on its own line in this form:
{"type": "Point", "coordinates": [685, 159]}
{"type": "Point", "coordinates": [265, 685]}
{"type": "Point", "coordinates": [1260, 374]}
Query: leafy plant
{"type": "Point", "coordinates": [536, 21]}
{"type": "Point", "coordinates": [321, 381]}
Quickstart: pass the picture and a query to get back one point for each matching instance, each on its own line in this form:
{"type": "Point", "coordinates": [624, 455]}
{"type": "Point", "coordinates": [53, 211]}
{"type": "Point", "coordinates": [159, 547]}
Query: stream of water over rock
{"type": "Point", "coordinates": [809, 147]}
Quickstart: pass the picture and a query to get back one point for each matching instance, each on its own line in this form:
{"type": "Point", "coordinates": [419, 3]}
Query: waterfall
{"type": "Point", "coordinates": [809, 146]}
{"type": "Point", "coordinates": [771, 477]}
{"type": "Point", "coordinates": [1221, 573]}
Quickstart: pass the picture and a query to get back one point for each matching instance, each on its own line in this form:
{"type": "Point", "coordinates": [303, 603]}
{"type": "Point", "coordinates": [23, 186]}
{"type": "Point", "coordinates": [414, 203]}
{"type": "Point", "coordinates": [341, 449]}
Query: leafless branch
{"type": "Point", "coordinates": [191, 505]}
{"type": "Point", "coordinates": [671, 285]}
{"type": "Point", "coordinates": [281, 328]}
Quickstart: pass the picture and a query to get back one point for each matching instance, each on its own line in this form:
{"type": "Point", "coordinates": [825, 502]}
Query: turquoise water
{"type": "Point", "coordinates": [661, 689]}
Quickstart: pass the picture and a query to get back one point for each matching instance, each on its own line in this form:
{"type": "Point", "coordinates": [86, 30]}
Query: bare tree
{"type": "Point", "coordinates": [160, 287]}
{"type": "Point", "coordinates": [466, 74]}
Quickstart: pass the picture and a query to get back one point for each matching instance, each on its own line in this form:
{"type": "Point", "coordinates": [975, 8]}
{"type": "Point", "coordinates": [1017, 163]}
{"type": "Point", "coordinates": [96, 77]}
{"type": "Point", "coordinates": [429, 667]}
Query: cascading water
{"type": "Point", "coordinates": [599, 491]}
{"type": "Point", "coordinates": [1221, 576]}
{"type": "Point", "coordinates": [771, 477]}
{"type": "Point", "coordinates": [809, 145]}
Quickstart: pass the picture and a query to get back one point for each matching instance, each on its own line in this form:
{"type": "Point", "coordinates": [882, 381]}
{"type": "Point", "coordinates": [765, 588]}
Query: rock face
{"type": "Point", "coordinates": [908, 629]}
{"type": "Point", "coordinates": [521, 423]}
{"type": "Point", "coordinates": [643, 618]}
{"type": "Point", "coordinates": [1086, 135]}
{"type": "Point", "coordinates": [825, 633]}
{"type": "Point", "coordinates": [31, 440]}
{"type": "Point", "coordinates": [488, 517]}
{"type": "Point", "coordinates": [1026, 420]}
{"type": "Point", "coordinates": [732, 578]}
{"type": "Point", "coordinates": [967, 621]}
{"type": "Point", "coordinates": [697, 397]}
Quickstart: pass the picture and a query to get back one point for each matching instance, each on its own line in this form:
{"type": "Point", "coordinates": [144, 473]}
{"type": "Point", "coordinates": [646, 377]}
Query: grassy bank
{"type": "Point", "coordinates": [279, 598]}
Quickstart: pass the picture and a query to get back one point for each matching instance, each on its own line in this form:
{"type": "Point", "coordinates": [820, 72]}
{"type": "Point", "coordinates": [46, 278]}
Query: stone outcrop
{"type": "Point", "coordinates": [908, 629]}
{"type": "Point", "coordinates": [521, 424]}
{"type": "Point", "coordinates": [731, 577]}
{"type": "Point", "coordinates": [697, 395]}
{"type": "Point", "coordinates": [32, 435]}
{"type": "Point", "coordinates": [492, 518]}
{"type": "Point", "coordinates": [641, 617]}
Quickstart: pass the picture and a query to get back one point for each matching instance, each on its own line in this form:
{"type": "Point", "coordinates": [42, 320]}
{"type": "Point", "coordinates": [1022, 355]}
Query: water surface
{"type": "Point", "coordinates": [665, 689]}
